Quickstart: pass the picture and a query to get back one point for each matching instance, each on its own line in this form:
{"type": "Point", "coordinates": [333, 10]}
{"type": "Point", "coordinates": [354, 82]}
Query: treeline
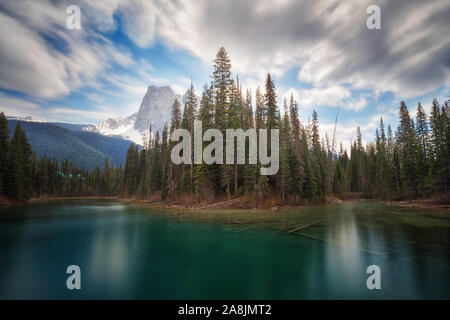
{"type": "Point", "coordinates": [412, 162]}
{"type": "Point", "coordinates": [22, 175]}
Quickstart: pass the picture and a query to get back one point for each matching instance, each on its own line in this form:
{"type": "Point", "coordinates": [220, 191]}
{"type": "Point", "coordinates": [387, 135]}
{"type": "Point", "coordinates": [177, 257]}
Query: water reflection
{"type": "Point", "coordinates": [125, 252]}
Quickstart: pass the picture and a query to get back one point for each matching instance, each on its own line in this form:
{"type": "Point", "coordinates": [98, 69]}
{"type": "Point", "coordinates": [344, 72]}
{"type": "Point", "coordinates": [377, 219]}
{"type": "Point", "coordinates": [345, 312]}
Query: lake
{"type": "Point", "coordinates": [130, 252]}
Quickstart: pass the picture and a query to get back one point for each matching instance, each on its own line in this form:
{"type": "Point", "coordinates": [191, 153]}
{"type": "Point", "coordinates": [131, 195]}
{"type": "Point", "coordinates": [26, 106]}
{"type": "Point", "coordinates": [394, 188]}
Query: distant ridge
{"type": "Point", "coordinates": [155, 110]}
{"type": "Point", "coordinates": [85, 149]}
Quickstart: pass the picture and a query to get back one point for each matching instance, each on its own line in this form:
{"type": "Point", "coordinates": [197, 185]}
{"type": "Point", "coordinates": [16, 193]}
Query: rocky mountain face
{"type": "Point", "coordinates": [155, 109]}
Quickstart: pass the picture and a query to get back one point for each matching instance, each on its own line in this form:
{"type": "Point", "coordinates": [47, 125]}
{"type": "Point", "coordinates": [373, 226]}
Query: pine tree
{"type": "Point", "coordinates": [131, 170]}
{"type": "Point", "coordinates": [222, 86]}
{"type": "Point", "coordinates": [175, 121]}
{"type": "Point", "coordinates": [234, 121]}
{"type": "Point", "coordinates": [407, 146]}
{"type": "Point", "coordinates": [221, 82]}
{"type": "Point", "coordinates": [339, 179]}
{"type": "Point", "coordinates": [297, 159]}
{"type": "Point", "coordinates": [422, 150]}
{"type": "Point", "coordinates": [260, 116]}
{"type": "Point", "coordinates": [19, 177]}
{"type": "Point", "coordinates": [165, 158]}
{"type": "Point", "coordinates": [142, 174]}
{"type": "Point", "coordinates": [446, 121]}
{"type": "Point", "coordinates": [382, 180]}
{"type": "Point", "coordinates": [270, 100]}
{"type": "Point", "coordinates": [319, 158]}
{"type": "Point", "coordinates": [191, 115]}
{"type": "Point", "coordinates": [174, 174]}
{"type": "Point", "coordinates": [155, 173]}
{"type": "Point", "coordinates": [309, 190]}
{"type": "Point", "coordinates": [204, 174]}
{"type": "Point", "coordinates": [249, 118]}
{"type": "Point", "coordinates": [249, 175]}
{"type": "Point", "coordinates": [4, 151]}
{"type": "Point", "coordinates": [285, 176]}
{"type": "Point", "coordinates": [439, 163]}
{"type": "Point", "coordinates": [272, 118]}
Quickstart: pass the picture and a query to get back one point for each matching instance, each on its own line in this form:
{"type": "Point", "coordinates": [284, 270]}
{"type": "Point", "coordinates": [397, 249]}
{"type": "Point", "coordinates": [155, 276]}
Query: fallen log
{"type": "Point", "coordinates": [304, 226]}
{"type": "Point", "coordinates": [223, 204]}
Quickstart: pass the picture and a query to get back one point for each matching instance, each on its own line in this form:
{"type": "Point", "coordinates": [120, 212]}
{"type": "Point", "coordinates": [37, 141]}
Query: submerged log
{"type": "Point", "coordinates": [305, 226]}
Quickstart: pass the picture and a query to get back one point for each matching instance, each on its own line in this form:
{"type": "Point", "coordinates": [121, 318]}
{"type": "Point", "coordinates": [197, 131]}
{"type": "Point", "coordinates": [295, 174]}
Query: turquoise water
{"type": "Point", "coordinates": [126, 252]}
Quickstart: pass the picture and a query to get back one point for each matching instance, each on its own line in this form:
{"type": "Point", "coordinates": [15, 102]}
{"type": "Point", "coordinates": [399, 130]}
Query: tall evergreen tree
{"type": "Point", "coordinates": [204, 174]}
{"type": "Point", "coordinates": [191, 116]}
{"type": "Point", "coordinates": [318, 157]}
{"type": "Point", "coordinates": [4, 151]}
{"type": "Point", "coordinates": [297, 158]}
{"type": "Point", "coordinates": [422, 151]}
{"type": "Point", "coordinates": [221, 82]}
{"type": "Point", "coordinates": [19, 177]}
{"type": "Point", "coordinates": [174, 174]}
{"type": "Point", "coordinates": [165, 158]}
{"type": "Point", "coordinates": [407, 146]}
{"type": "Point", "coordinates": [222, 86]}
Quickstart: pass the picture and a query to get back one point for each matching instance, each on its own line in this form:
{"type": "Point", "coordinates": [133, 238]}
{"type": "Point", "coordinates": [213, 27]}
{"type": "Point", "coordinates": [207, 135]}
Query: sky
{"type": "Point", "coordinates": [321, 51]}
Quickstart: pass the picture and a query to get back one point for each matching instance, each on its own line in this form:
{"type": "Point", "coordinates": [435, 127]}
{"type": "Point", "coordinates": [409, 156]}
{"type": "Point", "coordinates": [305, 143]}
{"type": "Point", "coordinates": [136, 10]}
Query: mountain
{"type": "Point", "coordinates": [68, 126]}
{"type": "Point", "coordinates": [88, 145]}
{"type": "Point", "coordinates": [75, 127]}
{"type": "Point", "coordinates": [119, 127]}
{"type": "Point", "coordinates": [85, 149]}
{"type": "Point", "coordinates": [155, 109]}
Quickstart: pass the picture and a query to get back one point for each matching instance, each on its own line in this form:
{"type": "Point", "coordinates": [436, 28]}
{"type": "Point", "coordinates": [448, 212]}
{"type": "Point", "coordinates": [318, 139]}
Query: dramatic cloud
{"type": "Point", "coordinates": [42, 58]}
{"type": "Point", "coordinates": [327, 39]}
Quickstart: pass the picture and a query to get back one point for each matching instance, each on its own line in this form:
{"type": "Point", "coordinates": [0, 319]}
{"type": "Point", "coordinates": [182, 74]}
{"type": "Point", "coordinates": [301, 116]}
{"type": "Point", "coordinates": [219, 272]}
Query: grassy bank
{"type": "Point", "coordinates": [422, 204]}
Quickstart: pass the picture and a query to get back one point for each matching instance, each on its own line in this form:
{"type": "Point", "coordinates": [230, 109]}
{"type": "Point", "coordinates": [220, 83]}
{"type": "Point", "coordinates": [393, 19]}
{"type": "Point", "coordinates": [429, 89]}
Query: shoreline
{"type": "Point", "coordinates": [421, 204]}
{"type": "Point", "coordinates": [45, 199]}
{"type": "Point", "coordinates": [290, 220]}
{"type": "Point", "coordinates": [234, 204]}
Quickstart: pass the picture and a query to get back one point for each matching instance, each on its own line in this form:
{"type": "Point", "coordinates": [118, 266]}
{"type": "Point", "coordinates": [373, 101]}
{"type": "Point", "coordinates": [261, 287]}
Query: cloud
{"type": "Point", "coordinates": [72, 115]}
{"type": "Point", "coordinates": [18, 107]}
{"type": "Point", "coordinates": [26, 62]}
{"type": "Point", "coordinates": [333, 96]}
{"type": "Point", "coordinates": [23, 108]}
{"type": "Point", "coordinates": [327, 39]}
{"type": "Point", "coordinates": [409, 56]}
{"type": "Point", "coordinates": [346, 131]}
{"type": "Point", "coordinates": [316, 97]}
{"type": "Point", "coordinates": [356, 105]}
{"type": "Point", "coordinates": [42, 58]}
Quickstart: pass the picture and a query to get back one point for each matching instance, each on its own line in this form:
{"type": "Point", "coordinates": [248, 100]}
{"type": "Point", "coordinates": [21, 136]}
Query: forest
{"type": "Point", "coordinates": [409, 163]}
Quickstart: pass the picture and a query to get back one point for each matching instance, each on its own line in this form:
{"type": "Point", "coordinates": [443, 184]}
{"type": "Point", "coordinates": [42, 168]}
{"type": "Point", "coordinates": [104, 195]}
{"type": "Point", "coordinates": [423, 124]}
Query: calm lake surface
{"type": "Point", "coordinates": [126, 252]}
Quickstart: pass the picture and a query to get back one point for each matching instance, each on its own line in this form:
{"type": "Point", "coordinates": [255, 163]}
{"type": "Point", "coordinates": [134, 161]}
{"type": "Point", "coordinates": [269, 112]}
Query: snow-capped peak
{"type": "Point", "coordinates": [154, 110]}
